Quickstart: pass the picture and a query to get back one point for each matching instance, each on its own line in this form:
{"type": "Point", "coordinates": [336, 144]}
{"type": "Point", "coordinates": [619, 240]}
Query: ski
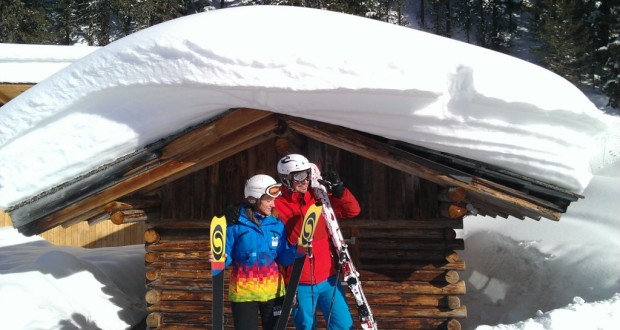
{"type": "Point", "coordinates": [304, 241]}
{"type": "Point", "coordinates": [218, 248]}
{"type": "Point", "coordinates": [350, 274]}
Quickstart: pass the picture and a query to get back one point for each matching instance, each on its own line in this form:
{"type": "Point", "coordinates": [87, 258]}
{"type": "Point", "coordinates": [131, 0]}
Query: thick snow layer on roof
{"type": "Point", "coordinates": [371, 76]}
{"type": "Point", "coordinates": [27, 64]}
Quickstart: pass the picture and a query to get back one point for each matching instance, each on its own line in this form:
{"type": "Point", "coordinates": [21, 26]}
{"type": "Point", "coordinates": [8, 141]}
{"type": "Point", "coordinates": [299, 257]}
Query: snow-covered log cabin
{"type": "Point", "coordinates": [163, 127]}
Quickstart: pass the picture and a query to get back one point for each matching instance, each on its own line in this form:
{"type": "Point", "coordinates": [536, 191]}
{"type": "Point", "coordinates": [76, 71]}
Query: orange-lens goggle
{"type": "Point", "coordinates": [274, 190]}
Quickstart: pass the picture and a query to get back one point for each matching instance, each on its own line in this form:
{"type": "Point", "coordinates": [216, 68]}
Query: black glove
{"type": "Point", "coordinates": [232, 213]}
{"type": "Point", "coordinates": [332, 182]}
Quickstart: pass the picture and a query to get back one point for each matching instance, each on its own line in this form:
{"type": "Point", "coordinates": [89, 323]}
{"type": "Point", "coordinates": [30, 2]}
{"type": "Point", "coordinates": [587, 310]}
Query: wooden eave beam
{"type": "Point", "coordinates": [10, 91]}
{"type": "Point", "coordinates": [348, 140]}
{"type": "Point", "coordinates": [199, 148]}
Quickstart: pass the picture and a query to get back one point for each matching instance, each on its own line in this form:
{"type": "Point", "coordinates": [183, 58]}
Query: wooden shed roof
{"type": "Point", "coordinates": [493, 191]}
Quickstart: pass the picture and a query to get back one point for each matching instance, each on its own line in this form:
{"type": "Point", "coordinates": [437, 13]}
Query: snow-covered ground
{"type": "Point", "coordinates": [451, 97]}
{"type": "Point", "coordinates": [548, 275]}
{"type": "Point", "coordinates": [47, 287]}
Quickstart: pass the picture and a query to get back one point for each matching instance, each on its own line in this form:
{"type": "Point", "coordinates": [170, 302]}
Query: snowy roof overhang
{"type": "Point", "coordinates": [441, 109]}
{"type": "Point", "coordinates": [23, 65]}
{"type": "Point", "coordinates": [123, 182]}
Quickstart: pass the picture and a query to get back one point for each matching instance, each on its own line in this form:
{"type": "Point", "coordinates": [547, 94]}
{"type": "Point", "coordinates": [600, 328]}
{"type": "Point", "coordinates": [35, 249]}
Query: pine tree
{"type": "Point", "coordinates": [23, 22]}
{"type": "Point", "coordinates": [607, 42]}
{"type": "Point", "coordinates": [562, 38]}
{"type": "Point", "coordinates": [64, 18]}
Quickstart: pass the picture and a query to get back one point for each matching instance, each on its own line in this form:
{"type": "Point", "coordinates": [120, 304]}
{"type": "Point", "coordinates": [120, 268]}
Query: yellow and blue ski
{"type": "Point", "coordinates": [218, 248]}
{"type": "Point", "coordinates": [305, 240]}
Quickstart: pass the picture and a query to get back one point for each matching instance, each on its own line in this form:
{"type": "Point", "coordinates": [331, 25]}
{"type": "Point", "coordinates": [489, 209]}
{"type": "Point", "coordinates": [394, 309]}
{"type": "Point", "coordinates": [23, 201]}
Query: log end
{"type": "Point", "coordinates": [154, 320]}
{"type": "Point", "coordinates": [453, 325]}
{"type": "Point", "coordinates": [151, 236]}
{"type": "Point", "coordinates": [152, 296]}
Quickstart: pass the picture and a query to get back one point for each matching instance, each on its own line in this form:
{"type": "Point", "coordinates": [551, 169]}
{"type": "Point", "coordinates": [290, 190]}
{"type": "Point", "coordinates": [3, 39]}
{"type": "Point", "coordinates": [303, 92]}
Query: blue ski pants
{"type": "Point", "coordinates": [308, 296]}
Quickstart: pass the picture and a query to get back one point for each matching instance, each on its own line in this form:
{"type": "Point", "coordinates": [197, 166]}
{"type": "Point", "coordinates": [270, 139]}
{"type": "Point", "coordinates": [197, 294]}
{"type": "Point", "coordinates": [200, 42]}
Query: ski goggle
{"type": "Point", "coordinates": [274, 190]}
{"type": "Point", "coordinates": [300, 176]}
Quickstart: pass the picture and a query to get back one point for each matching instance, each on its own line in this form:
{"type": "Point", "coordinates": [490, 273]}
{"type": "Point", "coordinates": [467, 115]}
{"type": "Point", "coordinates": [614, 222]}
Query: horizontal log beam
{"type": "Point", "coordinates": [382, 265]}
{"type": "Point", "coordinates": [188, 258]}
{"type": "Point", "coordinates": [420, 300]}
{"type": "Point", "coordinates": [411, 287]}
{"type": "Point", "coordinates": [439, 223]}
{"type": "Point", "coordinates": [195, 321]}
{"type": "Point", "coordinates": [181, 284]}
{"type": "Point", "coordinates": [440, 275]}
{"type": "Point", "coordinates": [162, 245]}
{"type": "Point", "coordinates": [402, 244]}
{"type": "Point", "coordinates": [434, 233]}
{"type": "Point", "coordinates": [368, 257]}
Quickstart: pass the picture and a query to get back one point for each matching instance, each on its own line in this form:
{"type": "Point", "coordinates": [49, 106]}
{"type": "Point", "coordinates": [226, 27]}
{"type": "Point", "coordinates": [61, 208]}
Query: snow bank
{"type": "Point", "coordinates": [49, 287]}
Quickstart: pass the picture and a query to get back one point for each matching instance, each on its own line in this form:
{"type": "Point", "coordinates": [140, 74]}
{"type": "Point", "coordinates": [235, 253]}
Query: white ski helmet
{"type": "Point", "coordinates": [260, 185]}
{"type": "Point", "coordinates": [290, 164]}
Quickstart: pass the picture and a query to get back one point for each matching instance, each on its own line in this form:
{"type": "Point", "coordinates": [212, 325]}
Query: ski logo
{"type": "Point", "coordinates": [218, 244]}
{"type": "Point", "coordinates": [305, 240]}
{"type": "Point", "coordinates": [309, 224]}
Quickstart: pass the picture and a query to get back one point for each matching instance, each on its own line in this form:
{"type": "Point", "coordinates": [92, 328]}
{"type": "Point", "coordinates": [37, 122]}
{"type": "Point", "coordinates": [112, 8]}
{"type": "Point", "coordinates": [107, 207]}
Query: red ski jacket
{"type": "Point", "coordinates": [291, 207]}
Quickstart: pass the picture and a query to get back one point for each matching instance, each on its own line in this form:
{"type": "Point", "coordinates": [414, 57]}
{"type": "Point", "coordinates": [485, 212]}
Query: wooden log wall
{"type": "Point", "coordinates": [409, 271]}
{"type": "Point", "coordinates": [178, 275]}
{"type": "Point", "coordinates": [408, 268]}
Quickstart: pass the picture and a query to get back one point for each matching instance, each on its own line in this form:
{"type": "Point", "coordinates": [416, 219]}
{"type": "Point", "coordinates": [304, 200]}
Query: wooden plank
{"type": "Point", "coordinates": [402, 312]}
{"type": "Point", "coordinates": [178, 246]}
{"type": "Point", "coordinates": [370, 256]}
{"type": "Point", "coordinates": [396, 275]}
{"type": "Point", "coordinates": [412, 287]}
{"type": "Point", "coordinates": [365, 233]}
{"type": "Point", "coordinates": [176, 255]}
{"type": "Point", "coordinates": [418, 300]}
{"type": "Point", "coordinates": [391, 244]}
{"type": "Point", "coordinates": [438, 223]}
